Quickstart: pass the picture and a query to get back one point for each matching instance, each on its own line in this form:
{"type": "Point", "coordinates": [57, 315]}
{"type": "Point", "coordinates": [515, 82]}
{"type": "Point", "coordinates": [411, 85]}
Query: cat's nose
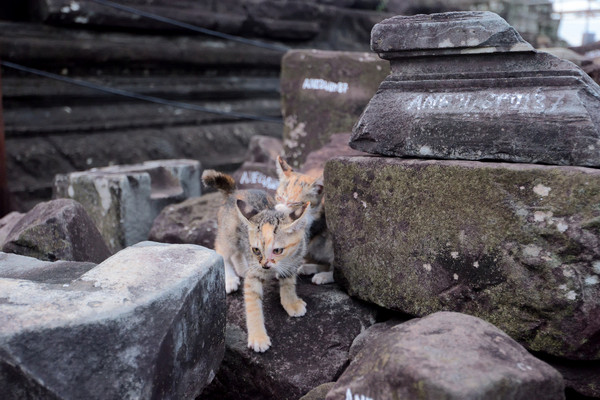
{"type": "Point", "coordinates": [266, 266]}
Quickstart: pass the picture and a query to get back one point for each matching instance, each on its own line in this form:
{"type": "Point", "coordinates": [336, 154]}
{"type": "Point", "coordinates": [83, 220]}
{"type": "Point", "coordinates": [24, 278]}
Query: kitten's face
{"type": "Point", "coordinates": [277, 239]}
{"type": "Point", "coordinates": [296, 188]}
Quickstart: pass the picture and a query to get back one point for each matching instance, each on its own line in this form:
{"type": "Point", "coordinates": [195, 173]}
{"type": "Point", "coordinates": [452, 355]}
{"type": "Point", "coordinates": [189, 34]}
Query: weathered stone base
{"type": "Point", "coordinates": [515, 244]}
{"type": "Point", "coordinates": [149, 322]}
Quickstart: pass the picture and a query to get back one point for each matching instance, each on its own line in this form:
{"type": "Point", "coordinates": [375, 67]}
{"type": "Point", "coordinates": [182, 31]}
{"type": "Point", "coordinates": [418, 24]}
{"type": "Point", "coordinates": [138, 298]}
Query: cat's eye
{"type": "Point", "coordinates": [278, 251]}
{"type": "Point", "coordinates": [256, 251]}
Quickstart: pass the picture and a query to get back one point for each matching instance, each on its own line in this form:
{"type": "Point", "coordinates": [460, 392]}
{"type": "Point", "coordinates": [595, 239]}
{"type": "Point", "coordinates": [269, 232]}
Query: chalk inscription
{"type": "Point", "coordinates": [321, 84]}
{"type": "Point", "coordinates": [258, 178]}
{"type": "Point", "coordinates": [476, 102]}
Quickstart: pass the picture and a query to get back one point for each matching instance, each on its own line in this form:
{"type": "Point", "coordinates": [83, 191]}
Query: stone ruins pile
{"type": "Point", "coordinates": [517, 245]}
{"type": "Point", "coordinates": [456, 278]}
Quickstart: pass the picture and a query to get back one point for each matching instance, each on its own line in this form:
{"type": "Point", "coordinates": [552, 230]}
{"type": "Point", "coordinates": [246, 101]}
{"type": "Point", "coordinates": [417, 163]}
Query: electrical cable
{"type": "Point", "coordinates": [194, 28]}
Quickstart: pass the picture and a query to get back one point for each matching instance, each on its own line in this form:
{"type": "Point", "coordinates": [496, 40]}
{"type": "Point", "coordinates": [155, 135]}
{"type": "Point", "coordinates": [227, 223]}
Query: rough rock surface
{"type": "Point", "coordinates": [124, 200]}
{"type": "Point", "coordinates": [148, 322]}
{"type": "Point", "coordinates": [324, 92]}
{"type": "Point", "coordinates": [488, 95]}
{"type": "Point", "coordinates": [337, 146]}
{"type": "Point", "coordinates": [318, 393]}
{"type": "Point", "coordinates": [7, 223]}
{"type": "Point", "coordinates": [581, 377]}
{"type": "Point", "coordinates": [31, 269]}
{"type": "Point", "coordinates": [57, 230]}
{"type": "Point", "coordinates": [447, 356]}
{"type": "Point", "coordinates": [515, 244]}
{"type": "Point", "coordinates": [264, 149]}
{"type": "Point", "coordinates": [306, 352]}
{"type": "Point", "coordinates": [192, 221]}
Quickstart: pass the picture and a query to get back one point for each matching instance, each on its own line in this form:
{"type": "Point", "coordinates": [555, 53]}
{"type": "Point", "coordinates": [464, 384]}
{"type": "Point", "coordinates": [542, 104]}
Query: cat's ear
{"type": "Point", "coordinates": [298, 216]}
{"type": "Point", "coordinates": [283, 169]}
{"type": "Point", "coordinates": [245, 211]}
{"type": "Point", "coordinates": [317, 186]}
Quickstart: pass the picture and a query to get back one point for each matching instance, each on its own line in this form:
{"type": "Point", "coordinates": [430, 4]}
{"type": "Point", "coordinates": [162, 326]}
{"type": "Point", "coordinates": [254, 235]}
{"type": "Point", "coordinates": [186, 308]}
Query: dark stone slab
{"type": "Point", "coordinates": [57, 230]}
{"type": "Point", "coordinates": [515, 244]}
{"type": "Point", "coordinates": [306, 352]}
{"type": "Point", "coordinates": [446, 356]}
{"type": "Point", "coordinates": [481, 93]}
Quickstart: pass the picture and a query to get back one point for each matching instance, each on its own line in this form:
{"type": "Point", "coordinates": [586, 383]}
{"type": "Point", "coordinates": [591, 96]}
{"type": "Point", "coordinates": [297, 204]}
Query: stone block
{"type": "Point", "coordinates": [192, 221]}
{"type": "Point", "coordinates": [124, 200]}
{"type": "Point", "coordinates": [449, 356]}
{"type": "Point", "coordinates": [306, 352]}
{"type": "Point", "coordinates": [57, 230]}
{"type": "Point", "coordinates": [149, 322]}
{"type": "Point", "coordinates": [515, 244]}
{"type": "Point", "coordinates": [464, 85]}
{"type": "Point", "coordinates": [324, 92]}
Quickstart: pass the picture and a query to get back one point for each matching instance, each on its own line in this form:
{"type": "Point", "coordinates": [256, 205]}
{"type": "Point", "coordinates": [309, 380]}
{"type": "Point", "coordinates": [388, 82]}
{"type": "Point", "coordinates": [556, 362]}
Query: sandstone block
{"type": "Point", "coordinates": [7, 223]}
{"type": "Point", "coordinates": [465, 85]}
{"type": "Point", "coordinates": [324, 92]}
{"type": "Point", "coordinates": [57, 230]}
{"type": "Point", "coordinates": [306, 352]}
{"type": "Point", "coordinates": [515, 244]}
{"type": "Point", "coordinates": [124, 200]}
{"type": "Point", "coordinates": [192, 221]}
{"type": "Point", "coordinates": [446, 356]}
{"type": "Point", "coordinates": [149, 322]}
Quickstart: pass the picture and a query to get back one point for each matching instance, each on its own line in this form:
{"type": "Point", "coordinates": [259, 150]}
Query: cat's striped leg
{"type": "Point", "coordinates": [293, 305]}
{"type": "Point", "coordinates": [258, 340]}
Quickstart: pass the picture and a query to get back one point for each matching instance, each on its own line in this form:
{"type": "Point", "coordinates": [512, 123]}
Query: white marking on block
{"type": "Point", "coordinates": [541, 190]}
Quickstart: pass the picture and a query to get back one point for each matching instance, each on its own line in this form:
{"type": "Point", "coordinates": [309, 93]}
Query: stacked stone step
{"type": "Point", "coordinates": [516, 244]}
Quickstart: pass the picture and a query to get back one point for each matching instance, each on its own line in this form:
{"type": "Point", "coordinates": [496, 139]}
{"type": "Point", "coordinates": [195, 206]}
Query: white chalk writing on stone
{"type": "Point", "coordinates": [256, 177]}
{"type": "Point", "coordinates": [473, 102]}
{"type": "Point", "coordinates": [356, 396]}
{"type": "Point", "coordinates": [322, 84]}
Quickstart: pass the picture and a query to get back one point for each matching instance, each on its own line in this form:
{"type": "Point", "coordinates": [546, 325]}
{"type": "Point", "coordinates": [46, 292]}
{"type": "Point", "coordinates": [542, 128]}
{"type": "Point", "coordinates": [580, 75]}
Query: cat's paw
{"type": "Point", "coordinates": [323, 278]}
{"type": "Point", "coordinates": [232, 284]}
{"type": "Point", "coordinates": [259, 342]}
{"type": "Point", "coordinates": [308, 269]}
{"type": "Point", "coordinates": [296, 308]}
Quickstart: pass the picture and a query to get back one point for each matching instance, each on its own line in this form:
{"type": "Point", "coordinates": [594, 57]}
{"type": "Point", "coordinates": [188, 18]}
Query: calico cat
{"type": "Point", "coordinates": [258, 242]}
{"type": "Point", "coordinates": [296, 188]}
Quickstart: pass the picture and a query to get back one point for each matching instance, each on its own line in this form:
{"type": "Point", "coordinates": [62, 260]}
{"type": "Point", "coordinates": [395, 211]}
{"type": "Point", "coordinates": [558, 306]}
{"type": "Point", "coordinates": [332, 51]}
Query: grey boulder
{"type": "Point", "coordinates": [57, 230]}
{"type": "Point", "coordinates": [446, 356]}
{"type": "Point", "coordinates": [147, 323]}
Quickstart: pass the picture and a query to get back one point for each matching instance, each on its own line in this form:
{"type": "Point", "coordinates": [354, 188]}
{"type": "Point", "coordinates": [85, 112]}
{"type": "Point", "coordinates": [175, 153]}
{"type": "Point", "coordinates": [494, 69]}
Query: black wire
{"type": "Point", "coordinates": [138, 96]}
{"type": "Point", "coordinates": [192, 27]}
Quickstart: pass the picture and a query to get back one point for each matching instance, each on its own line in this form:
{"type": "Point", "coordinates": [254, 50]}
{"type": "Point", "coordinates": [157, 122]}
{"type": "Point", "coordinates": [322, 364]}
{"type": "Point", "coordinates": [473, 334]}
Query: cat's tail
{"type": "Point", "coordinates": [219, 180]}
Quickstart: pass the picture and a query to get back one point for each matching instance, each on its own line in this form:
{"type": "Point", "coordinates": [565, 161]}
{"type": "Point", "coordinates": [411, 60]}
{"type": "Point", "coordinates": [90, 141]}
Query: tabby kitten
{"type": "Point", "coordinates": [258, 243]}
{"type": "Point", "coordinates": [296, 188]}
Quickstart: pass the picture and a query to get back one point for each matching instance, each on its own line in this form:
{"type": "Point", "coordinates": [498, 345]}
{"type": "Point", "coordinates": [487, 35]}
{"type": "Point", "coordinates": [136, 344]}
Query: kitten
{"type": "Point", "coordinates": [258, 243]}
{"type": "Point", "coordinates": [296, 188]}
